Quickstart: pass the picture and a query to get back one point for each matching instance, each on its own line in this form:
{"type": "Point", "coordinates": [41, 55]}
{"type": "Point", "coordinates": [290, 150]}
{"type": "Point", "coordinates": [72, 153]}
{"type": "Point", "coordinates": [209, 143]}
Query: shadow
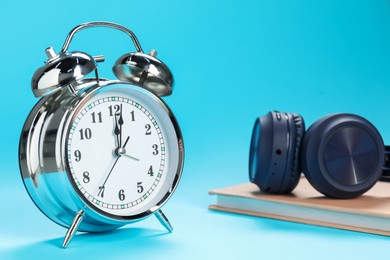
{"type": "Point", "coordinates": [123, 242]}
{"type": "Point", "coordinates": [265, 194]}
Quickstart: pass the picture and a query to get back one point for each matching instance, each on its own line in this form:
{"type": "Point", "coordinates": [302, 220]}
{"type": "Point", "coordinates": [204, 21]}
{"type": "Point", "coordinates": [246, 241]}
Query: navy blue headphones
{"type": "Point", "coordinates": [341, 155]}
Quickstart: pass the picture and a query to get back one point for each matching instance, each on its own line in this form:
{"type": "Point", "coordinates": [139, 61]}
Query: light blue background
{"type": "Point", "coordinates": [232, 61]}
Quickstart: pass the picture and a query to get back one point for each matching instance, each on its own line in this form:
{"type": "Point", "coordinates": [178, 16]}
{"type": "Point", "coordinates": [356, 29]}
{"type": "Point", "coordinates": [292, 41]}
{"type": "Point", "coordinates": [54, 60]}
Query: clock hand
{"type": "Point", "coordinates": [120, 125]}
{"type": "Point", "coordinates": [131, 157]}
{"type": "Point", "coordinates": [101, 188]}
{"type": "Point", "coordinates": [116, 131]}
{"type": "Point", "coordinates": [122, 151]}
{"type": "Point", "coordinates": [117, 152]}
{"type": "Point", "coordinates": [127, 139]}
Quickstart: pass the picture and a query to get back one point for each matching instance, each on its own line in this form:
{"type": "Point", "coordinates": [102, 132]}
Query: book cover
{"type": "Point", "coordinates": [368, 213]}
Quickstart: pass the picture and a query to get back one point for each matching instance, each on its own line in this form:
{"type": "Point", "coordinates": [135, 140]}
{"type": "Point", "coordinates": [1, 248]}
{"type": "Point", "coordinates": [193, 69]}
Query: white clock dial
{"type": "Point", "coordinates": [118, 154]}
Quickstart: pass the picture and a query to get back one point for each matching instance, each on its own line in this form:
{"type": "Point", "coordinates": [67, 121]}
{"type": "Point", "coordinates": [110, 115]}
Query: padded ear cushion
{"type": "Point", "coordinates": [342, 155]}
{"type": "Point", "coordinates": [293, 163]}
{"type": "Point", "coordinates": [274, 154]}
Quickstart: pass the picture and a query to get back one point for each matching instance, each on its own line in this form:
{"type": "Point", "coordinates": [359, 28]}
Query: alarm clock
{"type": "Point", "coordinates": [96, 154]}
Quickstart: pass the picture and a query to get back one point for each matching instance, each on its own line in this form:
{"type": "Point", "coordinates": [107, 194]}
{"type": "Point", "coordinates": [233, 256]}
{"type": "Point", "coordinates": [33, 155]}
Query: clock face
{"type": "Point", "coordinates": [122, 152]}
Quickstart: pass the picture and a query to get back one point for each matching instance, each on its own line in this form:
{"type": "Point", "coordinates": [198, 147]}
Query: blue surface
{"type": "Point", "coordinates": [232, 61]}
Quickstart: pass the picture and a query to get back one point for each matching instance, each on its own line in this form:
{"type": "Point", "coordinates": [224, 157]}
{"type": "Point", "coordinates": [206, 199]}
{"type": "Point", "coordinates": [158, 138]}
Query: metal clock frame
{"type": "Point", "coordinates": [44, 168]}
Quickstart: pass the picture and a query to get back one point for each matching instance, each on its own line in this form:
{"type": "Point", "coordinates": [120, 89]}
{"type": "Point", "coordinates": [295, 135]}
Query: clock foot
{"type": "Point", "coordinates": [73, 228]}
{"type": "Point", "coordinates": [163, 220]}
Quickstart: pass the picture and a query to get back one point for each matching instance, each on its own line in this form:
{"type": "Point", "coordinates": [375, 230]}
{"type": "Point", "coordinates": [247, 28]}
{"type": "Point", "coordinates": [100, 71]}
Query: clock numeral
{"type": "Point", "coordinates": [96, 118]}
{"type": "Point", "coordinates": [77, 154]}
{"type": "Point", "coordinates": [148, 131]}
{"type": "Point", "coordinates": [140, 189]}
{"type": "Point", "coordinates": [87, 133]}
{"type": "Point", "coordinates": [150, 172]}
{"type": "Point", "coordinates": [114, 110]}
{"type": "Point", "coordinates": [101, 191]}
{"type": "Point", "coordinates": [132, 116]}
{"type": "Point", "coordinates": [86, 178]}
{"type": "Point", "coordinates": [155, 149]}
{"type": "Point", "coordinates": [121, 195]}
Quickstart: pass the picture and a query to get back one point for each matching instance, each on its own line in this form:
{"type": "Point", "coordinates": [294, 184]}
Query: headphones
{"type": "Point", "coordinates": [341, 155]}
{"type": "Point", "coordinates": [67, 69]}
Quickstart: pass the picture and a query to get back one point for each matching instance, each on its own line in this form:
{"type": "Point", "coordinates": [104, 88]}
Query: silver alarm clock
{"type": "Point", "coordinates": [96, 154]}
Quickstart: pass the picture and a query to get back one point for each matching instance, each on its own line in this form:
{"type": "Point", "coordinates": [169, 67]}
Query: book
{"type": "Point", "coordinates": [369, 213]}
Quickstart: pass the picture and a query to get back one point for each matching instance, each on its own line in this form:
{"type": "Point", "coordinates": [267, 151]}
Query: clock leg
{"type": "Point", "coordinates": [73, 228]}
{"type": "Point", "coordinates": [163, 220]}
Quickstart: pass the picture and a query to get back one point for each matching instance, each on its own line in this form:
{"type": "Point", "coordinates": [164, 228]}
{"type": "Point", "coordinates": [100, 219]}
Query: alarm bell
{"type": "Point", "coordinates": [60, 71]}
{"type": "Point", "coordinates": [146, 71]}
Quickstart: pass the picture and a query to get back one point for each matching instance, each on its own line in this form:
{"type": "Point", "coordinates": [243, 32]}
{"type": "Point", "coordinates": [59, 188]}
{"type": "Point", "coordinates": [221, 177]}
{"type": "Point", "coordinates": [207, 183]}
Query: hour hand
{"type": "Point", "coordinates": [116, 132]}
{"type": "Point", "coordinates": [120, 122]}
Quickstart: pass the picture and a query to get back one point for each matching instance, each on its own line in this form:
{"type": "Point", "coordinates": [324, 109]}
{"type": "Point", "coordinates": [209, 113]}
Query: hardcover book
{"type": "Point", "coordinates": [368, 213]}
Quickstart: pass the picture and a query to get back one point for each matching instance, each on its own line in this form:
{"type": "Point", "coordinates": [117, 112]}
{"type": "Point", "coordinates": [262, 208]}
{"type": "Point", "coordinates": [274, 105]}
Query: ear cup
{"type": "Point", "coordinates": [342, 155]}
{"type": "Point", "coordinates": [274, 153]}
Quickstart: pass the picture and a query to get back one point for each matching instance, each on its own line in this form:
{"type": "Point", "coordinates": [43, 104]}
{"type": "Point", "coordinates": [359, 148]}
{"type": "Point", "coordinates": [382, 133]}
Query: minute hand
{"type": "Point", "coordinates": [112, 168]}
{"type": "Point", "coordinates": [101, 188]}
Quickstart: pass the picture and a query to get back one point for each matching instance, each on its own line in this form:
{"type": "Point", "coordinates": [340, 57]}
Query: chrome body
{"type": "Point", "coordinates": [44, 167]}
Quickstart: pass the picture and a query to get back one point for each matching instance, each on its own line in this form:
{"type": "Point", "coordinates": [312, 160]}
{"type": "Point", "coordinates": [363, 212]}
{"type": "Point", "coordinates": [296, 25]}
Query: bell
{"type": "Point", "coordinates": [146, 71]}
{"type": "Point", "coordinates": [60, 71]}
